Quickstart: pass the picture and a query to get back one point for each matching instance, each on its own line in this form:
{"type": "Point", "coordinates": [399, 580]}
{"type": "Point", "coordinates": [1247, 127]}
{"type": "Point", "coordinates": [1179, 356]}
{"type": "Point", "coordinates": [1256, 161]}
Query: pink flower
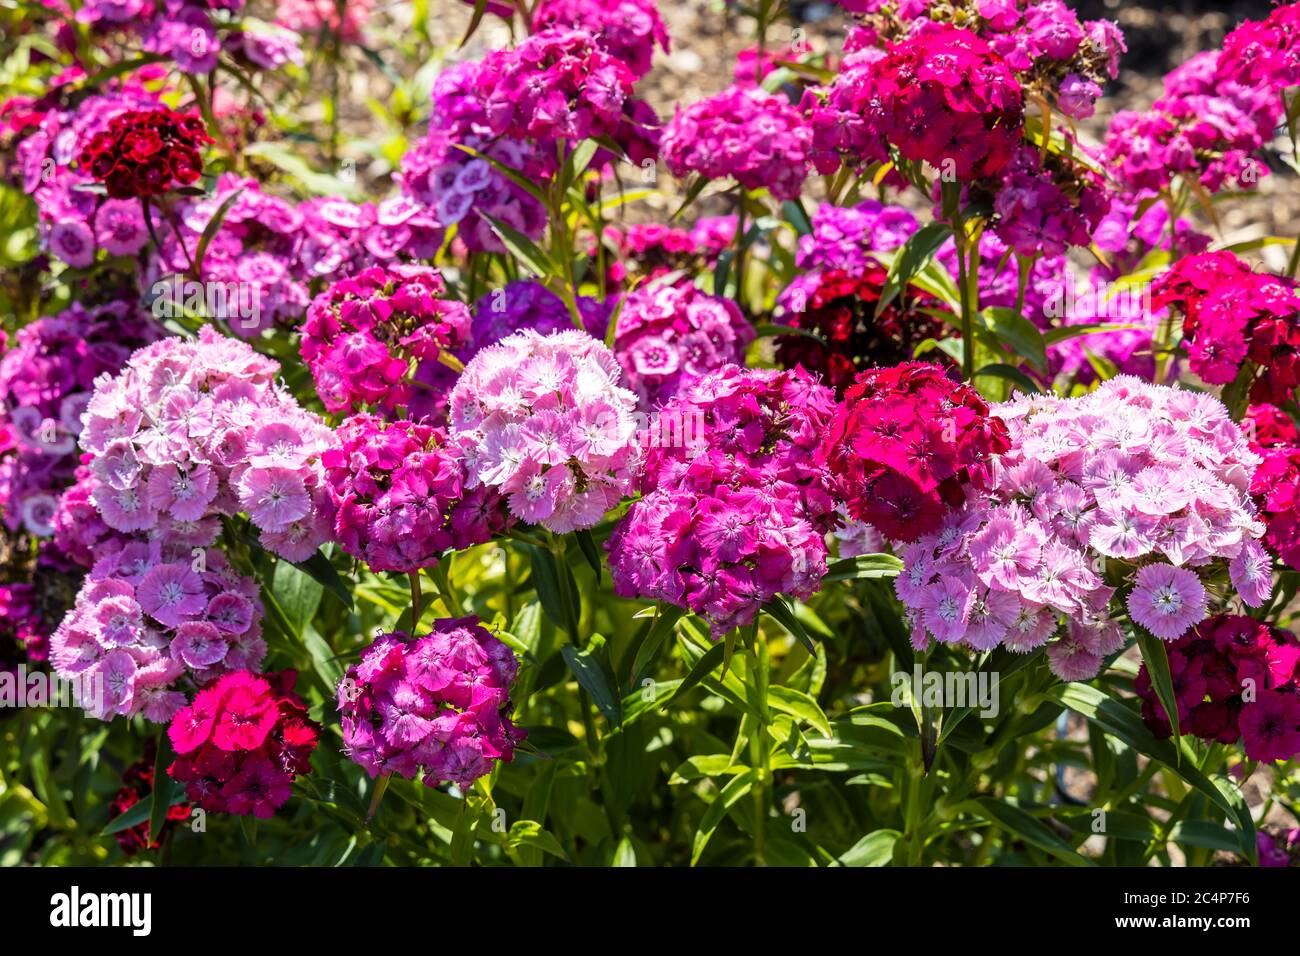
{"type": "Point", "coordinates": [1166, 600]}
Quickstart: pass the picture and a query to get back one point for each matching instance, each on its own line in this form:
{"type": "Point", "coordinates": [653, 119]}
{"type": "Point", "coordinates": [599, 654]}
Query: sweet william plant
{"type": "Point", "coordinates": [931, 502]}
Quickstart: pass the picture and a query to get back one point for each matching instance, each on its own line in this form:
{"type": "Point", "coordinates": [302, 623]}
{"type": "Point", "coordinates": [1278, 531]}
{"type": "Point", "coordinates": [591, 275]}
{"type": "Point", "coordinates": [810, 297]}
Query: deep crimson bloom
{"type": "Point", "coordinates": [843, 308]}
{"type": "Point", "coordinates": [904, 442]}
{"type": "Point", "coordinates": [1235, 678]}
{"type": "Point", "coordinates": [144, 153]}
{"type": "Point", "coordinates": [241, 743]}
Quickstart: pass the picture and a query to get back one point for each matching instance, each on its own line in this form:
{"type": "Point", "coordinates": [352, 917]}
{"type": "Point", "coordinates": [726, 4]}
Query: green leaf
{"type": "Point", "coordinates": [163, 786]}
{"type": "Point", "coordinates": [289, 161]}
{"type": "Point", "coordinates": [586, 666]}
{"type": "Point", "coordinates": [864, 566]}
{"type": "Point", "coordinates": [1125, 723]}
{"type": "Point", "coordinates": [530, 833]}
{"type": "Point", "coordinates": [556, 589]}
{"type": "Point", "coordinates": [917, 251]}
{"type": "Point", "coordinates": [660, 631]}
{"type": "Point", "coordinates": [692, 193]}
{"type": "Point", "coordinates": [587, 545]}
{"type": "Point", "coordinates": [1205, 833]}
{"type": "Point", "coordinates": [297, 593]}
{"type": "Point", "coordinates": [318, 566]}
{"type": "Point", "coordinates": [624, 854]}
{"type": "Point", "coordinates": [1013, 329]}
{"type": "Point", "coordinates": [139, 813]}
{"type": "Point", "coordinates": [1011, 374]}
{"type": "Point", "coordinates": [1008, 815]}
{"type": "Point", "coordinates": [780, 611]}
{"type": "Point", "coordinates": [874, 849]}
{"type": "Point", "coordinates": [736, 788]}
{"type": "Point", "coordinates": [480, 9]}
{"type": "Point", "coordinates": [1066, 332]}
{"type": "Point", "coordinates": [522, 248]}
{"type": "Point", "coordinates": [705, 666]}
{"type": "Point", "coordinates": [1162, 682]}
{"type": "Point", "coordinates": [798, 704]}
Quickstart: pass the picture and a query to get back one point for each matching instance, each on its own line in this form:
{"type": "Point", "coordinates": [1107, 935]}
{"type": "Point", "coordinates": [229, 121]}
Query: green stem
{"type": "Point", "coordinates": [966, 277]}
{"type": "Point", "coordinates": [414, 578]}
{"type": "Point", "coordinates": [760, 751]}
{"type": "Point", "coordinates": [739, 263]}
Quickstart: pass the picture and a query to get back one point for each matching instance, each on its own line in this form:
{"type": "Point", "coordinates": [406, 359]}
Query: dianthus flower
{"type": "Point", "coordinates": [137, 785]}
{"type": "Point", "coordinates": [461, 188]}
{"type": "Point", "coordinates": [544, 419]}
{"type": "Point", "coordinates": [242, 742]}
{"type": "Point", "coordinates": [1234, 678]}
{"type": "Point", "coordinates": [398, 497]}
{"type": "Point", "coordinates": [273, 251]}
{"type": "Point", "coordinates": [146, 619]}
{"type": "Point", "coordinates": [844, 238]}
{"type": "Point", "coordinates": [1275, 487]}
{"type": "Point", "coordinates": [852, 331]}
{"type": "Point", "coordinates": [628, 30]}
{"type": "Point", "coordinates": [144, 153]}
{"type": "Point", "coordinates": [904, 442]}
{"type": "Point", "coordinates": [435, 706]}
{"type": "Point", "coordinates": [670, 336]}
{"type": "Point", "coordinates": [939, 95]}
{"type": "Point", "coordinates": [196, 428]}
{"type": "Point", "coordinates": [45, 383]}
{"type": "Point", "coordinates": [753, 137]}
{"type": "Point", "coordinates": [1264, 53]}
{"type": "Point", "coordinates": [1045, 212]}
{"type": "Point", "coordinates": [735, 510]}
{"type": "Point", "coordinates": [363, 332]}
{"type": "Point", "coordinates": [556, 84]}
{"type": "Point", "coordinates": [1231, 315]}
{"type": "Point", "coordinates": [313, 16]}
{"type": "Point", "coordinates": [526, 304]}
{"type": "Point", "coordinates": [1138, 484]}
{"type": "Point", "coordinates": [651, 250]}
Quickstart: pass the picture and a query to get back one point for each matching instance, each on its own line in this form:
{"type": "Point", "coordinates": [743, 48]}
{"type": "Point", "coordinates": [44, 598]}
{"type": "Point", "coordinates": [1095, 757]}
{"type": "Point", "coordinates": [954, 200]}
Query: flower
{"type": "Point", "coordinates": [670, 336]}
{"type": "Point", "coordinates": [1167, 600]}
{"type": "Point", "coordinates": [754, 137]}
{"type": "Point", "coordinates": [436, 706]}
{"type": "Point", "coordinates": [398, 498]}
{"type": "Point", "coordinates": [146, 617]}
{"type": "Point", "coordinates": [628, 30]}
{"type": "Point", "coordinates": [191, 429]}
{"type": "Point", "coordinates": [1131, 487]}
{"type": "Point", "coordinates": [144, 153]}
{"type": "Point", "coordinates": [242, 741]}
{"type": "Point", "coordinates": [903, 442]}
{"type": "Point", "coordinates": [734, 507]}
{"type": "Point", "coordinates": [543, 419]}
{"type": "Point", "coordinates": [362, 333]}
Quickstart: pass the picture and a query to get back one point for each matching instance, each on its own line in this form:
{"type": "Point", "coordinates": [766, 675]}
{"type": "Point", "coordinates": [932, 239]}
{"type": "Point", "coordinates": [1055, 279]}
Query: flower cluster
{"type": "Point", "coordinates": [852, 331]}
{"type": "Point", "coordinates": [242, 742]}
{"type": "Point", "coordinates": [1235, 678]}
{"type": "Point", "coordinates": [1231, 315]}
{"type": "Point", "coordinates": [462, 188]}
{"type": "Point", "coordinates": [1275, 486]}
{"type": "Point", "coordinates": [273, 251]}
{"type": "Point", "coordinates": [735, 510]}
{"type": "Point", "coordinates": [651, 250]}
{"type": "Point", "coordinates": [144, 153]}
{"type": "Point", "coordinates": [1205, 128]}
{"type": "Point", "coordinates": [1264, 53]}
{"type": "Point", "coordinates": [398, 498]}
{"type": "Point", "coordinates": [753, 137]}
{"type": "Point", "coordinates": [939, 94]}
{"type": "Point", "coordinates": [670, 336]}
{"type": "Point", "coordinates": [196, 428]}
{"type": "Point", "coordinates": [45, 383]}
{"type": "Point", "coordinates": [436, 705]}
{"type": "Point", "coordinates": [362, 334]}
{"type": "Point", "coordinates": [544, 419]}
{"type": "Point", "coordinates": [628, 30]}
{"type": "Point", "coordinates": [526, 304]}
{"type": "Point", "coordinates": [1045, 212]}
{"type": "Point", "coordinates": [557, 84]}
{"type": "Point", "coordinates": [904, 442]}
{"type": "Point", "coordinates": [844, 237]}
{"type": "Point", "coordinates": [137, 785]}
{"type": "Point", "coordinates": [1129, 476]}
{"type": "Point", "coordinates": [146, 618]}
